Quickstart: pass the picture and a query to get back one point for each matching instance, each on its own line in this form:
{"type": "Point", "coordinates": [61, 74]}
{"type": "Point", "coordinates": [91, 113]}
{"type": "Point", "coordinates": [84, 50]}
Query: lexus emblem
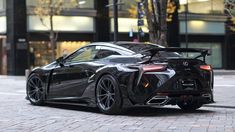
{"type": "Point", "coordinates": [185, 63]}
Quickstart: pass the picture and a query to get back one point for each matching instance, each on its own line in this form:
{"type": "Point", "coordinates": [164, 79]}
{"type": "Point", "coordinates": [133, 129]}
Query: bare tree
{"type": "Point", "coordinates": [158, 13]}
{"type": "Point", "coordinates": [156, 17]}
{"type": "Point", "coordinates": [46, 10]}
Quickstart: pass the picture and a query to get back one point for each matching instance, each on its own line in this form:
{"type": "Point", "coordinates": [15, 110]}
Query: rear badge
{"type": "Point", "coordinates": [185, 63]}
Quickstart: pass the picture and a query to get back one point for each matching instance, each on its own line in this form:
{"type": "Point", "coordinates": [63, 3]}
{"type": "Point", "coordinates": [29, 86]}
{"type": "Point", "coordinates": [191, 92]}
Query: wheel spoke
{"type": "Point", "coordinates": [108, 84]}
{"type": "Point", "coordinates": [103, 88]}
{"type": "Point", "coordinates": [101, 100]}
{"type": "Point", "coordinates": [112, 94]}
{"type": "Point", "coordinates": [37, 96]}
{"type": "Point", "coordinates": [101, 95]}
{"type": "Point", "coordinates": [31, 93]}
{"type": "Point", "coordinates": [108, 104]}
{"type": "Point", "coordinates": [32, 83]}
{"type": "Point", "coordinates": [112, 98]}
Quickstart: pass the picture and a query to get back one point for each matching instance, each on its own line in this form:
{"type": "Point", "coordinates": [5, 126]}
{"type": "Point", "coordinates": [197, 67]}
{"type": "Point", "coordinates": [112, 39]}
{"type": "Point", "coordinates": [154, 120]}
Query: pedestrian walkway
{"type": "Point", "coordinates": [224, 88]}
{"type": "Point", "coordinates": [224, 72]}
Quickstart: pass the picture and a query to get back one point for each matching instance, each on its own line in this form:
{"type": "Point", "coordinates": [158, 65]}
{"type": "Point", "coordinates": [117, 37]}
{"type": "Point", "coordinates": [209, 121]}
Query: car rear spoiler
{"type": "Point", "coordinates": [204, 52]}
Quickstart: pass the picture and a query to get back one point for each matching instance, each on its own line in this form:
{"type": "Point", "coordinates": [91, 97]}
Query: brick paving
{"type": "Point", "coordinates": [16, 114]}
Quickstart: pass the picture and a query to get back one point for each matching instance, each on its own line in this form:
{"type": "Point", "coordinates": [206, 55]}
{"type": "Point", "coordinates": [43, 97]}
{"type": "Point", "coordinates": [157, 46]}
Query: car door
{"type": "Point", "coordinates": [71, 78]}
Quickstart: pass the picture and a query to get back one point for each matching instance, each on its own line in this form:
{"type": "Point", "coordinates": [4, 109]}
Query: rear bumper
{"type": "Point", "coordinates": [161, 100]}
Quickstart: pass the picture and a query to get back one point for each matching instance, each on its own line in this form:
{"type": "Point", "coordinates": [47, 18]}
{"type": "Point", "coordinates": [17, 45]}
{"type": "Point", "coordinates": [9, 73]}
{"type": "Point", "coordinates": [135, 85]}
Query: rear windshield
{"type": "Point", "coordinates": [138, 48]}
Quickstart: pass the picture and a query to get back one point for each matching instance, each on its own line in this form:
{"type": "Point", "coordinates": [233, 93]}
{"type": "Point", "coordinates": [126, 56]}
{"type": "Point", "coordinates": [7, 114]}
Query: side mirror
{"type": "Point", "coordinates": [60, 61]}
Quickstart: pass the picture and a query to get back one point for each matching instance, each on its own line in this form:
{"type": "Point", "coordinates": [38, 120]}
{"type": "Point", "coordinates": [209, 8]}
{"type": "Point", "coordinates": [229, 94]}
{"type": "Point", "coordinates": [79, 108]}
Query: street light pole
{"type": "Point", "coordinates": [186, 23]}
{"type": "Point", "coordinates": [115, 18]}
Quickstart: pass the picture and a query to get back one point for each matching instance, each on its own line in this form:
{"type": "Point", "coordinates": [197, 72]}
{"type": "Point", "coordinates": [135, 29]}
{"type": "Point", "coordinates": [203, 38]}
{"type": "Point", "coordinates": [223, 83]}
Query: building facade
{"type": "Point", "coordinates": [24, 40]}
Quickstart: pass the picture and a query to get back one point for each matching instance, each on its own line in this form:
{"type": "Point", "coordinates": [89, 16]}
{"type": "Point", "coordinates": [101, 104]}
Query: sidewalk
{"type": "Point", "coordinates": [224, 87]}
{"type": "Point", "coordinates": [224, 72]}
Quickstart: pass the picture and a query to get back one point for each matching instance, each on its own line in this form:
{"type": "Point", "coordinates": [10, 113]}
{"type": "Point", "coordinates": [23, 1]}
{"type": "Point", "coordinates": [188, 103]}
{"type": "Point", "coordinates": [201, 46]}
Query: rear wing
{"type": "Point", "coordinates": [204, 52]}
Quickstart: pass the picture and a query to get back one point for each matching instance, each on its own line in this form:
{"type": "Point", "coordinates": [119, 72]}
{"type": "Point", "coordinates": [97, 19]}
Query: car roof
{"type": "Point", "coordinates": [117, 44]}
{"type": "Point", "coordinates": [109, 44]}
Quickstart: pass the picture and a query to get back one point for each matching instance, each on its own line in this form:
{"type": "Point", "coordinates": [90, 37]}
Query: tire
{"type": "Point", "coordinates": [189, 106]}
{"type": "Point", "coordinates": [35, 90]}
{"type": "Point", "coordinates": [108, 95]}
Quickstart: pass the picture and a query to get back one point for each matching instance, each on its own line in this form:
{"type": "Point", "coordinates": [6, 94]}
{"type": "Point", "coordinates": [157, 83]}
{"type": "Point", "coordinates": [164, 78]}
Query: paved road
{"type": "Point", "coordinates": [16, 114]}
{"type": "Point", "coordinates": [224, 90]}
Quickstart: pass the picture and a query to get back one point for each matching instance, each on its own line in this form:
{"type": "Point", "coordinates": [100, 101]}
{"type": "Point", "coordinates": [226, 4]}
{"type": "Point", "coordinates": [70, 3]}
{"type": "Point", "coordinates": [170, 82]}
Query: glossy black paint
{"type": "Point", "coordinates": [76, 81]}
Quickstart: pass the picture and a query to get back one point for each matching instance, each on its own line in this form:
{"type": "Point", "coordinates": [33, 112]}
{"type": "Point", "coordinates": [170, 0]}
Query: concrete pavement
{"type": "Point", "coordinates": [224, 87]}
{"type": "Point", "coordinates": [224, 91]}
{"type": "Point", "coordinates": [17, 115]}
{"type": "Point", "coordinates": [224, 72]}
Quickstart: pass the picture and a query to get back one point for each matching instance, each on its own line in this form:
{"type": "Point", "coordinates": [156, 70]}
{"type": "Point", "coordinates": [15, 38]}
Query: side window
{"type": "Point", "coordinates": [105, 52]}
{"type": "Point", "coordinates": [84, 54]}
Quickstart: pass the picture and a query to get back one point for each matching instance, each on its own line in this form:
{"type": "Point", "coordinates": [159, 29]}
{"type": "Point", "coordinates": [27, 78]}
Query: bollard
{"type": "Point", "coordinates": [27, 71]}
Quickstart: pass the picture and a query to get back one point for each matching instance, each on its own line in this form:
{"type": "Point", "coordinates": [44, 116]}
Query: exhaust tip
{"type": "Point", "coordinates": [158, 100]}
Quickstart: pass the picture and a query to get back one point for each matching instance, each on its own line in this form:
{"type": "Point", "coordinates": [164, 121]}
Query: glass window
{"type": "Point", "coordinates": [2, 5]}
{"type": "Point", "coordinates": [85, 3]}
{"type": "Point", "coordinates": [70, 23]}
{"type": "Point", "coordinates": [84, 54]}
{"type": "Point", "coordinates": [31, 2]}
{"type": "Point", "coordinates": [126, 8]}
{"type": "Point", "coordinates": [67, 3]}
{"type": "Point", "coordinates": [105, 52]}
{"type": "Point", "coordinates": [216, 58]}
{"type": "Point", "coordinates": [3, 23]}
{"type": "Point", "coordinates": [67, 47]}
{"type": "Point", "coordinates": [41, 53]}
{"type": "Point", "coordinates": [203, 6]}
{"type": "Point", "coordinates": [202, 27]}
{"type": "Point", "coordinates": [124, 5]}
{"type": "Point", "coordinates": [139, 47]}
{"type": "Point", "coordinates": [128, 25]}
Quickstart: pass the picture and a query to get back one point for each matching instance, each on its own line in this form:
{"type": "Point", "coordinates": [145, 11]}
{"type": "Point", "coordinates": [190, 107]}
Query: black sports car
{"type": "Point", "coordinates": [115, 76]}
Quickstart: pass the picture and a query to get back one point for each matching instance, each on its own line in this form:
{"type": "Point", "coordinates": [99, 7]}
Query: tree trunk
{"type": "Point", "coordinates": [150, 20]}
{"type": "Point", "coordinates": [52, 38]}
{"type": "Point", "coordinates": [156, 19]}
{"type": "Point", "coordinates": [163, 23]}
{"type": "Point", "coordinates": [52, 33]}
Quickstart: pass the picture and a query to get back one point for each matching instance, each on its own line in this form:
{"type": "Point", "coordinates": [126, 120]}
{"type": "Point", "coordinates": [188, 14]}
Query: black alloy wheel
{"type": "Point", "coordinates": [108, 95]}
{"type": "Point", "coordinates": [35, 90]}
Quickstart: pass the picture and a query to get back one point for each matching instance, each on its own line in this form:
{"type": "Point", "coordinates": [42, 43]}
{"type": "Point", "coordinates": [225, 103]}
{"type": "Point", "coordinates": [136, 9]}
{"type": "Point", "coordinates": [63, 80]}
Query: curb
{"type": "Point", "coordinates": [219, 106]}
{"type": "Point", "coordinates": [224, 72]}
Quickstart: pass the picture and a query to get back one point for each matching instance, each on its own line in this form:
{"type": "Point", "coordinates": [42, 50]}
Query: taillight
{"type": "Point", "coordinates": [148, 68]}
{"type": "Point", "coordinates": [206, 67]}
